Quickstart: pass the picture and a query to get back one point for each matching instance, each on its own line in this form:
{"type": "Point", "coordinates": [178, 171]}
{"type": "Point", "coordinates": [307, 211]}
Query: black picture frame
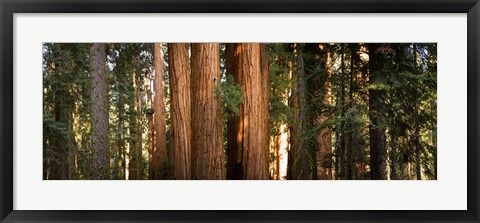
{"type": "Point", "coordinates": [9, 7]}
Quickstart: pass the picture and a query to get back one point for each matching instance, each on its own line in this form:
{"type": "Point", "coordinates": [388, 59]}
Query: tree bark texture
{"type": "Point", "coordinates": [159, 149]}
{"type": "Point", "coordinates": [99, 112]}
{"type": "Point", "coordinates": [208, 159]}
{"type": "Point", "coordinates": [299, 161]}
{"type": "Point", "coordinates": [248, 143]}
{"type": "Point", "coordinates": [179, 73]}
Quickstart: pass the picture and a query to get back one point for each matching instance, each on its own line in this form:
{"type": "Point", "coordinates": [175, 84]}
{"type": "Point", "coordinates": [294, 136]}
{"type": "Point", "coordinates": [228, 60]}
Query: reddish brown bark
{"type": "Point", "coordinates": [159, 149]}
{"type": "Point", "coordinates": [207, 141]}
{"type": "Point", "coordinates": [179, 73]}
{"type": "Point", "coordinates": [324, 162]}
{"type": "Point", "coordinates": [247, 141]}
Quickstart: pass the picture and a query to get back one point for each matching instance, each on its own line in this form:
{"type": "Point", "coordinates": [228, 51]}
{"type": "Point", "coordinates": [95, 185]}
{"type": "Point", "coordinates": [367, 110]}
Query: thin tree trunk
{"type": "Point", "coordinates": [120, 141]}
{"type": "Point", "coordinates": [207, 130]}
{"type": "Point", "coordinates": [276, 153]}
{"type": "Point", "coordinates": [150, 143]}
{"type": "Point", "coordinates": [138, 105]}
{"type": "Point", "coordinates": [351, 150]}
{"type": "Point", "coordinates": [99, 112]}
{"type": "Point", "coordinates": [299, 158]}
{"type": "Point", "coordinates": [418, 150]}
{"type": "Point", "coordinates": [160, 146]}
{"type": "Point", "coordinates": [393, 155]}
{"type": "Point", "coordinates": [343, 139]}
{"type": "Point", "coordinates": [294, 128]}
{"type": "Point", "coordinates": [179, 73]}
{"type": "Point", "coordinates": [282, 155]}
{"type": "Point", "coordinates": [324, 160]}
{"type": "Point", "coordinates": [132, 145]}
{"type": "Point", "coordinates": [376, 114]}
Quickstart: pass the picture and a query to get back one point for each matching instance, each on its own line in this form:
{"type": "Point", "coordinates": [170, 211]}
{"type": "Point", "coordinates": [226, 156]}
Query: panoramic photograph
{"type": "Point", "coordinates": [239, 111]}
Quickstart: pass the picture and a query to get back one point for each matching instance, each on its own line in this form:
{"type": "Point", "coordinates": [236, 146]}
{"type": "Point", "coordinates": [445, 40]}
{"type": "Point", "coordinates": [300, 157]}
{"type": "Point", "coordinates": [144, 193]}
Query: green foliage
{"type": "Point", "coordinates": [230, 94]}
{"type": "Point", "coordinates": [280, 84]}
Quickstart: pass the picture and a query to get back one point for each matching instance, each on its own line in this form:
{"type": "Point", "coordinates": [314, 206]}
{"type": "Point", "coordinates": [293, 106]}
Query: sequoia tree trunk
{"type": "Point", "coordinates": [207, 133]}
{"type": "Point", "coordinates": [159, 148]}
{"type": "Point", "coordinates": [179, 73]}
{"type": "Point", "coordinates": [247, 138]}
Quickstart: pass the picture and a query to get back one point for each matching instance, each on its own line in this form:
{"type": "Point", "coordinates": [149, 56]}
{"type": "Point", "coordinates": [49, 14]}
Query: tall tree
{"type": "Point", "coordinates": [351, 153]}
{"type": "Point", "coordinates": [179, 74]}
{"type": "Point", "coordinates": [138, 105]}
{"type": "Point", "coordinates": [324, 160]}
{"type": "Point", "coordinates": [150, 112]}
{"type": "Point", "coordinates": [99, 112]}
{"type": "Point", "coordinates": [376, 113]}
{"type": "Point", "coordinates": [159, 149]}
{"type": "Point", "coordinates": [247, 144]}
{"type": "Point", "coordinates": [265, 94]}
{"type": "Point", "coordinates": [207, 131]}
{"type": "Point", "coordinates": [299, 155]}
{"type": "Point", "coordinates": [61, 96]}
{"type": "Point", "coordinates": [418, 144]}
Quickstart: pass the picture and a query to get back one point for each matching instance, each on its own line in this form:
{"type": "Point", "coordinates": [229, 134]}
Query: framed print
{"type": "Point", "coordinates": [239, 111]}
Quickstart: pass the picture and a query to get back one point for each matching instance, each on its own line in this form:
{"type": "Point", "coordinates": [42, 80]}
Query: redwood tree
{"type": "Point", "coordinates": [179, 74]}
{"type": "Point", "coordinates": [159, 148]}
{"type": "Point", "coordinates": [207, 142]}
{"type": "Point", "coordinates": [247, 141]}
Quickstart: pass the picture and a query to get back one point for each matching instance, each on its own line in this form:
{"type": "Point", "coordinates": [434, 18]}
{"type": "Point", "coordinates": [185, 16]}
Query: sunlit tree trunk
{"type": "Point", "coordinates": [247, 141]}
{"type": "Point", "coordinates": [265, 96]}
{"type": "Point", "coordinates": [377, 117]}
{"type": "Point", "coordinates": [324, 160]}
{"type": "Point", "coordinates": [150, 112]}
{"type": "Point", "coordinates": [159, 149]}
{"type": "Point", "coordinates": [99, 112]}
{"type": "Point", "coordinates": [179, 73]}
{"type": "Point", "coordinates": [294, 129]}
{"type": "Point", "coordinates": [207, 133]}
{"type": "Point", "coordinates": [281, 147]}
